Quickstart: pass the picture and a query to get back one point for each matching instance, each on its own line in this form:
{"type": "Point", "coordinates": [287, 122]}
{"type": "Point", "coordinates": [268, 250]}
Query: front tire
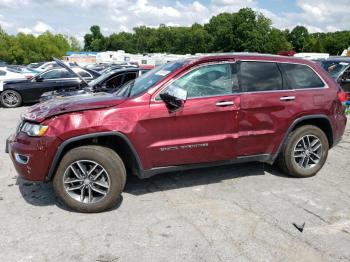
{"type": "Point", "coordinates": [90, 179]}
{"type": "Point", "coordinates": [10, 99]}
{"type": "Point", "coordinates": [305, 152]}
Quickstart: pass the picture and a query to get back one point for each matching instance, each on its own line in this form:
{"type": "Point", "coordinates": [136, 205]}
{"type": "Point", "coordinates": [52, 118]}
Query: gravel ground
{"type": "Point", "coordinates": [235, 213]}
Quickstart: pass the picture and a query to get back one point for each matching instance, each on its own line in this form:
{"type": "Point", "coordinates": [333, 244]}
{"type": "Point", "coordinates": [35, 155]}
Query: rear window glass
{"type": "Point", "coordinates": [301, 76]}
{"type": "Point", "coordinates": [260, 76]}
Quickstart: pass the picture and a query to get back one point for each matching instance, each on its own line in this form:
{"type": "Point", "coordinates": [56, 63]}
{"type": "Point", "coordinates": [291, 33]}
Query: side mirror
{"type": "Point", "coordinates": [39, 79]}
{"type": "Point", "coordinates": [174, 97]}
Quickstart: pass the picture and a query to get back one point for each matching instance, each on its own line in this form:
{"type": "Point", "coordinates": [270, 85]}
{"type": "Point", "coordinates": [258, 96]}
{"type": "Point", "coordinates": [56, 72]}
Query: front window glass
{"type": "Point", "coordinates": [207, 80]}
{"type": "Point", "coordinates": [52, 74]}
{"type": "Point", "coordinates": [114, 82]}
{"type": "Point", "coordinates": [101, 78]}
{"type": "Point", "coordinates": [146, 81]}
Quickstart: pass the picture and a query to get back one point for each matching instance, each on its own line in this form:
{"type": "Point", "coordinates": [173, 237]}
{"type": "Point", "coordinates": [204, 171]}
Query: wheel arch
{"type": "Point", "coordinates": [320, 121]}
{"type": "Point", "coordinates": [117, 141]}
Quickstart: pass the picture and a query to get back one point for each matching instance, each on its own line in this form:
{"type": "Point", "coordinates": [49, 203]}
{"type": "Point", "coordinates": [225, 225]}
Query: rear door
{"type": "Point", "coordinates": [205, 129]}
{"type": "Point", "coordinates": [267, 107]}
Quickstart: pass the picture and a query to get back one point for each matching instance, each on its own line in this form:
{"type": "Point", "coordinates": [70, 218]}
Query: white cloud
{"type": "Point", "coordinates": [74, 17]}
{"type": "Point", "coordinates": [12, 3]}
{"type": "Point", "coordinates": [41, 27]}
{"type": "Point", "coordinates": [320, 16]}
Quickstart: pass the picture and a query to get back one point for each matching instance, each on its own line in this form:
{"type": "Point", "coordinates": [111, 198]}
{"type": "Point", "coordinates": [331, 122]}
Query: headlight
{"type": "Point", "coordinates": [32, 129]}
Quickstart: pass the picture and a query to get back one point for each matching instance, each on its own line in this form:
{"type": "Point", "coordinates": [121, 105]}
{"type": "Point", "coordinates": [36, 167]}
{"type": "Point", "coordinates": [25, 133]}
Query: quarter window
{"type": "Point", "coordinates": [260, 76]}
{"type": "Point", "coordinates": [208, 80]}
{"type": "Point", "coordinates": [2, 73]}
{"type": "Point", "coordinates": [301, 76]}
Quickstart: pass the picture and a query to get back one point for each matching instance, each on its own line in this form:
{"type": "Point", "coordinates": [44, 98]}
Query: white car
{"type": "Point", "coordinates": [43, 66]}
{"type": "Point", "coordinates": [6, 74]}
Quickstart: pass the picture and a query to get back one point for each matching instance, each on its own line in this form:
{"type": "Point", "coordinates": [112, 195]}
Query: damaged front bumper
{"type": "Point", "coordinates": [31, 157]}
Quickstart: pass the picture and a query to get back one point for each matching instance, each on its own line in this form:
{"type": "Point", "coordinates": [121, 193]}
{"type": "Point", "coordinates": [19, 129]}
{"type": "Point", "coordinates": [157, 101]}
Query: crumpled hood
{"type": "Point", "coordinates": [62, 105]}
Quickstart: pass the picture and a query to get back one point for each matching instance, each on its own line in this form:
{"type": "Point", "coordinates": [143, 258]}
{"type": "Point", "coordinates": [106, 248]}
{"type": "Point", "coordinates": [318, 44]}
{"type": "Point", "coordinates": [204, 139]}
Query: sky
{"type": "Point", "coordinates": [74, 17]}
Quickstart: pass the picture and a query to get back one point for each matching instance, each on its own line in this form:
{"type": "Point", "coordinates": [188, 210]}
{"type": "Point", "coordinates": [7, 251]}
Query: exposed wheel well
{"type": "Point", "coordinates": [321, 123]}
{"type": "Point", "coordinates": [114, 142]}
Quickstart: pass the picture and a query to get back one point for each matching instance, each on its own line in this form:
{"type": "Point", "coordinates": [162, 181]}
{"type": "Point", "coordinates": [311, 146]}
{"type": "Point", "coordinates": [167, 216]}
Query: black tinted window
{"type": "Point", "coordinates": [260, 76]}
{"type": "Point", "coordinates": [2, 73]}
{"type": "Point", "coordinates": [301, 76]}
{"type": "Point", "coordinates": [114, 82]}
{"type": "Point", "coordinates": [129, 76]}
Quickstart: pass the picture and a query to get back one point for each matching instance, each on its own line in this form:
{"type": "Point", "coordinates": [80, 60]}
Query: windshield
{"type": "Point", "coordinates": [144, 82]}
{"type": "Point", "coordinates": [334, 68]}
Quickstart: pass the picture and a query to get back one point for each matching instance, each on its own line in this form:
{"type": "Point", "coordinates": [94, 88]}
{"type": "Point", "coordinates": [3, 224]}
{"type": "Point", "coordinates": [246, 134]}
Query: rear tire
{"type": "Point", "coordinates": [10, 98]}
{"type": "Point", "coordinates": [90, 179]}
{"type": "Point", "coordinates": [305, 152]}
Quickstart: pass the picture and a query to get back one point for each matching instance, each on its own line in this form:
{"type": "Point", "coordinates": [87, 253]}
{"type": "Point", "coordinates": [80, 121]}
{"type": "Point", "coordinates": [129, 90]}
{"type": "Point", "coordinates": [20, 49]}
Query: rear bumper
{"type": "Point", "coordinates": [31, 156]}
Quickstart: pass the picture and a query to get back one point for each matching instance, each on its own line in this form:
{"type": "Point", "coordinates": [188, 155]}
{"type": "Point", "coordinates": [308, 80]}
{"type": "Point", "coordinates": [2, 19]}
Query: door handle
{"type": "Point", "coordinates": [287, 98]}
{"type": "Point", "coordinates": [225, 103]}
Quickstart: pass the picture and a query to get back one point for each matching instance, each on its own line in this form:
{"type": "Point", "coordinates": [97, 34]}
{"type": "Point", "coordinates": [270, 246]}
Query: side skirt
{"type": "Point", "coordinates": [265, 158]}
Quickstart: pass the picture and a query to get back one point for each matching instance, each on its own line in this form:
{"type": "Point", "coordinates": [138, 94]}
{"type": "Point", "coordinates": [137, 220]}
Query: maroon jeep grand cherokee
{"type": "Point", "coordinates": [198, 112]}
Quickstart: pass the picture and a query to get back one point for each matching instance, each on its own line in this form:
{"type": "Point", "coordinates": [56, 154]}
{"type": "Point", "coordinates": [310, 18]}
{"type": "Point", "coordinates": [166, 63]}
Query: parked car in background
{"type": "Point", "coordinates": [7, 74]}
{"type": "Point", "coordinates": [13, 94]}
{"type": "Point", "coordinates": [191, 113]}
{"type": "Point", "coordinates": [108, 82]}
{"type": "Point", "coordinates": [339, 69]}
{"type": "Point", "coordinates": [27, 72]}
{"type": "Point", "coordinates": [43, 66]}
{"type": "Point", "coordinates": [106, 67]}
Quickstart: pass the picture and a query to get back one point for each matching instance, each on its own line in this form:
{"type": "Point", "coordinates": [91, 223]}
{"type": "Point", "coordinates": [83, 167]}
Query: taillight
{"type": "Point", "coordinates": [342, 96]}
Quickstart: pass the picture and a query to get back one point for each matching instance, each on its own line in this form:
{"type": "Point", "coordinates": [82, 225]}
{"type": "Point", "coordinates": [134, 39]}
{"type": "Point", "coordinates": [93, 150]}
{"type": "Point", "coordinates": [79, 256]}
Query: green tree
{"type": "Point", "coordinates": [94, 41]}
{"type": "Point", "coordinates": [299, 38]}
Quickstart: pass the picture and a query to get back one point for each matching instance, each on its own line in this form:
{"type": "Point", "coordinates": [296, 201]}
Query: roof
{"type": "Point", "coordinates": [246, 56]}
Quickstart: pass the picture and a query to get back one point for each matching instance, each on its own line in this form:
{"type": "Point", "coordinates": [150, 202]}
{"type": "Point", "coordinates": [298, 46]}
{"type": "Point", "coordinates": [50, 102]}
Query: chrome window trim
{"type": "Point", "coordinates": [242, 92]}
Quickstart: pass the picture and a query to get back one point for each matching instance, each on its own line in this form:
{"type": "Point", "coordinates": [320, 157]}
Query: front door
{"type": "Point", "coordinates": [205, 129]}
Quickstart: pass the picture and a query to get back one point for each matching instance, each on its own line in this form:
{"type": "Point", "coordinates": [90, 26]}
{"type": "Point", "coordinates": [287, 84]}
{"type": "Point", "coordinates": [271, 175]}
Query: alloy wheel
{"type": "Point", "coordinates": [86, 181]}
{"type": "Point", "coordinates": [10, 98]}
{"type": "Point", "coordinates": [307, 152]}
